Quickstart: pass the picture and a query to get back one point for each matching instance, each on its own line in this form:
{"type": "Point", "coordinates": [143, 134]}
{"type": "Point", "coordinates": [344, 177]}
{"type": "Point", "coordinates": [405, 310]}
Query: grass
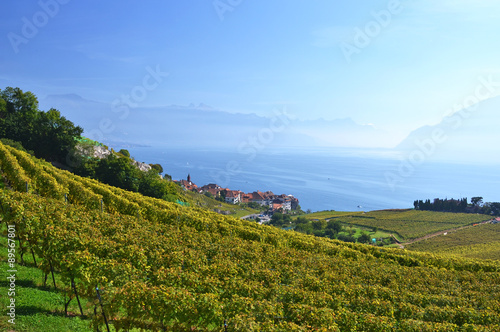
{"type": "Point", "coordinates": [38, 307]}
{"type": "Point", "coordinates": [358, 231]}
{"type": "Point", "coordinates": [203, 201]}
{"type": "Point", "coordinates": [329, 214]}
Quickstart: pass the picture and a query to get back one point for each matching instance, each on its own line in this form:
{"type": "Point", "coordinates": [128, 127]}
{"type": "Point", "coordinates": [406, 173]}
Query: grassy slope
{"type": "Point", "coordinates": [39, 308]}
{"type": "Point", "coordinates": [211, 204]}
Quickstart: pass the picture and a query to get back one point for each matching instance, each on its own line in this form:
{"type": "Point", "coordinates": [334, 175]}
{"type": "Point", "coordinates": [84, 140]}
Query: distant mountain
{"type": "Point", "coordinates": [344, 133]}
{"type": "Point", "coordinates": [465, 135]}
{"type": "Point", "coordinates": [202, 125]}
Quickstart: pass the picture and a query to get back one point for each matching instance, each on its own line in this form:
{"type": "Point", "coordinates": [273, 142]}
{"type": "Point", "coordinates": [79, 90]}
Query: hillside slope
{"type": "Point", "coordinates": [161, 266]}
{"type": "Point", "coordinates": [481, 241]}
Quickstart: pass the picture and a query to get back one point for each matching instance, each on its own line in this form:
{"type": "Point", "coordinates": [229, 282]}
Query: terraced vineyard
{"type": "Point", "coordinates": [155, 265]}
{"type": "Point", "coordinates": [482, 241]}
{"type": "Point", "coordinates": [411, 224]}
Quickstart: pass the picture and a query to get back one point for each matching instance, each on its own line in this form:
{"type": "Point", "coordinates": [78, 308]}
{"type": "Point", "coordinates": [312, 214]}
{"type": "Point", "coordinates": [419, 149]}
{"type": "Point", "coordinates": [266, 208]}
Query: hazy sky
{"type": "Point", "coordinates": [395, 64]}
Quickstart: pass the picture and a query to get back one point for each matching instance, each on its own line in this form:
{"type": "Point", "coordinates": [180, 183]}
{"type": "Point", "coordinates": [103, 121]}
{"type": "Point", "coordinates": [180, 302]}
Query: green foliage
{"type": "Point", "coordinates": [279, 219]}
{"type": "Point", "coordinates": [118, 172]}
{"type": "Point", "coordinates": [334, 225]}
{"type": "Point", "coordinates": [152, 185]}
{"type": "Point", "coordinates": [124, 152]}
{"type": "Point", "coordinates": [256, 206]}
{"type": "Point", "coordinates": [301, 220]}
{"type": "Point", "coordinates": [157, 167]}
{"type": "Point", "coordinates": [39, 308]}
{"type": "Point", "coordinates": [364, 238]}
{"type": "Point", "coordinates": [15, 145]}
{"type": "Point", "coordinates": [50, 135]}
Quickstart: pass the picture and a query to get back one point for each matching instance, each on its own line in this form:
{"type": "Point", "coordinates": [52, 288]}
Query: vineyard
{"type": "Point", "coordinates": [411, 224]}
{"type": "Point", "coordinates": [481, 242]}
{"type": "Point", "coordinates": [145, 263]}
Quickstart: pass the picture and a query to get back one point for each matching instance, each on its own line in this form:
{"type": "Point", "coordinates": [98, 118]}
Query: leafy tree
{"type": "Point", "coordinates": [222, 196]}
{"type": "Point", "coordinates": [304, 228]}
{"type": "Point", "coordinates": [280, 219]}
{"type": "Point", "coordinates": [125, 153]}
{"type": "Point", "coordinates": [50, 135]}
{"type": "Point", "coordinates": [56, 135]}
{"type": "Point", "coordinates": [364, 238]}
{"type": "Point", "coordinates": [318, 224]}
{"type": "Point", "coordinates": [301, 220]}
{"type": "Point", "coordinates": [476, 201]}
{"type": "Point", "coordinates": [346, 238]}
{"type": "Point", "coordinates": [334, 225]}
{"type": "Point", "coordinates": [18, 113]}
{"type": "Point", "coordinates": [118, 172]}
{"type": "Point", "coordinates": [152, 185]}
{"type": "Point", "coordinates": [255, 205]}
{"type": "Point", "coordinates": [276, 219]}
{"type": "Point", "coordinates": [157, 168]}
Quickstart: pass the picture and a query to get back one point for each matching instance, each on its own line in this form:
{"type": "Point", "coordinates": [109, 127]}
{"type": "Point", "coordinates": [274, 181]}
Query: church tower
{"type": "Point", "coordinates": [189, 178]}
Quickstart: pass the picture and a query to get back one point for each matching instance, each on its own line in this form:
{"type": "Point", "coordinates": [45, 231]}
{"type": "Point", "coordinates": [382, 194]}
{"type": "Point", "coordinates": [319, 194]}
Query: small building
{"type": "Point", "coordinates": [233, 196]}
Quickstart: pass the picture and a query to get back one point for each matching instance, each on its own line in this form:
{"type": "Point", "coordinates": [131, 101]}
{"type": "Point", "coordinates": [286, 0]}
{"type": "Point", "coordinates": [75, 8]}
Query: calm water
{"type": "Point", "coordinates": [329, 179]}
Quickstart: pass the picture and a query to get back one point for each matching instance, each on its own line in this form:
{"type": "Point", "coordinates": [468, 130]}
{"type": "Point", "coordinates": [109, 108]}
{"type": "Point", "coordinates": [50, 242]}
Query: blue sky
{"type": "Point", "coordinates": [413, 62]}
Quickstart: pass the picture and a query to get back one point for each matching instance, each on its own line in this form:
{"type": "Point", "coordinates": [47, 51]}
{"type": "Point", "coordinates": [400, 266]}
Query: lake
{"type": "Point", "coordinates": [329, 179]}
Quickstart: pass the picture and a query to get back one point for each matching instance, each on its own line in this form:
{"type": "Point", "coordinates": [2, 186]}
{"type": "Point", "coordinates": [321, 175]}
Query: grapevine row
{"type": "Point", "coordinates": [141, 265]}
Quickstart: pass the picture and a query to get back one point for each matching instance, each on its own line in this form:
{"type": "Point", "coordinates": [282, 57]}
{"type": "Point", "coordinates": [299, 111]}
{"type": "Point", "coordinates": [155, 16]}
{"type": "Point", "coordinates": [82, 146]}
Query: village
{"type": "Point", "coordinates": [272, 202]}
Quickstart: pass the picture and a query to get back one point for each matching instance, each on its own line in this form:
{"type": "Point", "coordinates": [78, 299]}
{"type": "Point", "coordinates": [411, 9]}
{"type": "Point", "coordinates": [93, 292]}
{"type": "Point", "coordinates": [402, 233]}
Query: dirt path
{"type": "Point", "coordinates": [428, 236]}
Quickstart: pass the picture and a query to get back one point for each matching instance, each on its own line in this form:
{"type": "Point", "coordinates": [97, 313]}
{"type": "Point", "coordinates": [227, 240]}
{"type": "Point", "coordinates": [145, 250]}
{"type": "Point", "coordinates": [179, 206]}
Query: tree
{"type": "Point", "coordinates": [118, 172]}
{"type": "Point", "coordinates": [50, 135]}
{"type": "Point", "coordinates": [152, 185]}
{"type": "Point", "coordinates": [334, 225]}
{"type": "Point", "coordinates": [55, 135]}
{"type": "Point", "coordinates": [222, 196]}
{"type": "Point", "coordinates": [476, 201]}
{"type": "Point", "coordinates": [346, 238]}
{"type": "Point", "coordinates": [125, 153]}
{"type": "Point", "coordinates": [276, 219]}
{"type": "Point", "coordinates": [157, 168]}
{"type": "Point", "coordinates": [304, 228]}
{"type": "Point", "coordinates": [280, 219]}
{"type": "Point", "coordinates": [18, 113]}
{"type": "Point", "coordinates": [319, 224]}
{"type": "Point", "coordinates": [364, 238]}
{"type": "Point", "coordinates": [301, 220]}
